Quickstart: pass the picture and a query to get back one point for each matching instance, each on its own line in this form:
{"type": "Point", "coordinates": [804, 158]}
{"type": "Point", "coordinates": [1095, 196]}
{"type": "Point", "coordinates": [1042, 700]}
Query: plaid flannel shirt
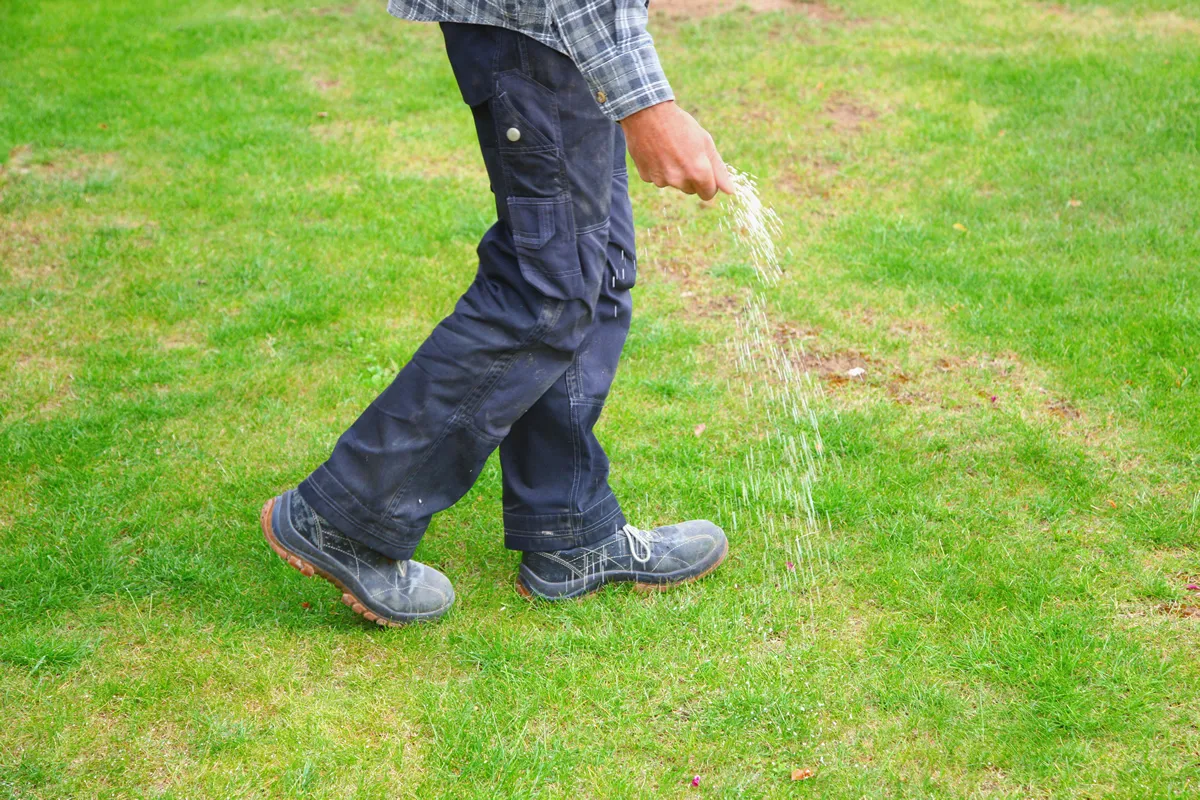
{"type": "Point", "coordinates": [606, 39]}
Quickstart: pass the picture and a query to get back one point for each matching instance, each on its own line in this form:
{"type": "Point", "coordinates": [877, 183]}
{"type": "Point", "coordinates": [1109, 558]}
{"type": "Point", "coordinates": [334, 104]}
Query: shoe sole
{"type": "Point", "coordinates": [638, 586]}
{"type": "Point", "coordinates": [308, 570]}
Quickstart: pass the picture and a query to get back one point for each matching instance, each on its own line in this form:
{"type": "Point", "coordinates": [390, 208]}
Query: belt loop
{"type": "Point", "coordinates": [524, 53]}
{"type": "Point", "coordinates": [497, 44]}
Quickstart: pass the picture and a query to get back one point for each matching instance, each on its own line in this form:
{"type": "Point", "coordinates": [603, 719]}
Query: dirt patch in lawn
{"type": "Point", "coordinates": [40, 384]}
{"type": "Point", "coordinates": [836, 367]}
{"type": "Point", "coordinates": [1181, 610]}
{"type": "Point", "coordinates": [25, 246]}
{"type": "Point", "coordinates": [23, 161]}
{"type": "Point", "coordinates": [704, 297]}
{"type": "Point", "coordinates": [847, 116]}
{"type": "Point", "coordinates": [1100, 21]}
{"type": "Point", "coordinates": [401, 150]}
{"type": "Point", "coordinates": [697, 9]}
{"type": "Point", "coordinates": [918, 365]}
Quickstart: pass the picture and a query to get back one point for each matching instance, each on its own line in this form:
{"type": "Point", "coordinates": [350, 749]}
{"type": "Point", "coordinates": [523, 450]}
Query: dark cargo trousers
{"type": "Point", "coordinates": [526, 359]}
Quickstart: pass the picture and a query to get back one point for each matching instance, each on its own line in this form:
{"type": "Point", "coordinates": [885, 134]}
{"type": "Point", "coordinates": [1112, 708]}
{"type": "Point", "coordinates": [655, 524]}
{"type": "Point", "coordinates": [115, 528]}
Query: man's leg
{"type": "Point", "coordinates": [420, 446]}
{"type": "Point", "coordinates": [555, 470]}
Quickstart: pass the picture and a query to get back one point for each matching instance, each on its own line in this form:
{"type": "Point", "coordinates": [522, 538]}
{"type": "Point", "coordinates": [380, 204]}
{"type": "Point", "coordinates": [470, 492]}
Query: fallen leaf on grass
{"type": "Point", "coordinates": [306, 604]}
{"type": "Point", "coordinates": [1112, 503]}
{"type": "Point", "coordinates": [958, 226]}
{"type": "Point", "coordinates": [699, 429]}
{"type": "Point", "coordinates": [802, 774]}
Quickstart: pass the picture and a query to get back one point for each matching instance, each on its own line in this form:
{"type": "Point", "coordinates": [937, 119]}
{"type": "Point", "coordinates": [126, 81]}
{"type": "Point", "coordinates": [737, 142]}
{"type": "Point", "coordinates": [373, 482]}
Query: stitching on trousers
{"type": "Point", "coordinates": [576, 466]}
{"type": "Point", "coordinates": [575, 530]}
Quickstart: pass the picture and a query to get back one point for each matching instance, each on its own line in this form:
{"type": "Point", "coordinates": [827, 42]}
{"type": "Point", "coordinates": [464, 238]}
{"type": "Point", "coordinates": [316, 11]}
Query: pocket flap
{"type": "Point", "coordinates": [532, 220]}
{"type": "Point", "coordinates": [546, 244]}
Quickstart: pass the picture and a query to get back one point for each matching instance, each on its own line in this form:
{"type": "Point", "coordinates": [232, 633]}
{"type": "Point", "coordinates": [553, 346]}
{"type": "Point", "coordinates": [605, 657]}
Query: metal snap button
{"type": "Point", "coordinates": [513, 134]}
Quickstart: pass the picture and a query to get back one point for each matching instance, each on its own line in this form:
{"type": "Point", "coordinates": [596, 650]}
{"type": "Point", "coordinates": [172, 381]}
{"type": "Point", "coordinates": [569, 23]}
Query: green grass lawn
{"type": "Point", "coordinates": [223, 226]}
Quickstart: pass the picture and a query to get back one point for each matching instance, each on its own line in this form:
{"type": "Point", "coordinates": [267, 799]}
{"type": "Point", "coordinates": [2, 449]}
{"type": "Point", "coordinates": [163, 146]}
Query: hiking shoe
{"type": "Point", "coordinates": [384, 591]}
{"type": "Point", "coordinates": [652, 560]}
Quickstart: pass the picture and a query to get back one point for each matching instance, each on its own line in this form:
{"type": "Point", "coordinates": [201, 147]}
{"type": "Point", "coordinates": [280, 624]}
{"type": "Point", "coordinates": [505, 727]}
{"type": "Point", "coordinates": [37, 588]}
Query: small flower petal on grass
{"type": "Point", "coordinates": [791, 567]}
{"type": "Point", "coordinates": [699, 429]}
{"type": "Point", "coordinates": [1191, 587]}
{"type": "Point", "coordinates": [696, 781]}
{"type": "Point", "coordinates": [958, 226]}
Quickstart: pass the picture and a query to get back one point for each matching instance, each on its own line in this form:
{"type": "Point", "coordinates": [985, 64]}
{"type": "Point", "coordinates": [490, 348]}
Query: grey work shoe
{"type": "Point", "coordinates": [656, 559]}
{"type": "Point", "coordinates": [384, 591]}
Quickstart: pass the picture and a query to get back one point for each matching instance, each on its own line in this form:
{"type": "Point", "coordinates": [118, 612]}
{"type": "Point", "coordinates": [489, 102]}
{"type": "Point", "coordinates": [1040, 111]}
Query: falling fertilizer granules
{"type": "Point", "coordinates": [756, 227]}
{"type": "Point", "coordinates": [773, 497]}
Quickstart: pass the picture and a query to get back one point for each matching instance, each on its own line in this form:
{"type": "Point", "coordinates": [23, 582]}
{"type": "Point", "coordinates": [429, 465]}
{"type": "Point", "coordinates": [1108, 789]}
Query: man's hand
{"type": "Point", "coordinates": [671, 149]}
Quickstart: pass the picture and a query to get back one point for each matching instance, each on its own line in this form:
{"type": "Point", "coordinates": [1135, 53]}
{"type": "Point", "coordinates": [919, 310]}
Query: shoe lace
{"type": "Point", "coordinates": [639, 540]}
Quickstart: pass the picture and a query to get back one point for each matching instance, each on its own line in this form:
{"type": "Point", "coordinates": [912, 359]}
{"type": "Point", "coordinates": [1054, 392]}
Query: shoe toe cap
{"type": "Point", "coordinates": [431, 590]}
{"type": "Point", "coordinates": [694, 542]}
{"type": "Point", "coordinates": [422, 593]}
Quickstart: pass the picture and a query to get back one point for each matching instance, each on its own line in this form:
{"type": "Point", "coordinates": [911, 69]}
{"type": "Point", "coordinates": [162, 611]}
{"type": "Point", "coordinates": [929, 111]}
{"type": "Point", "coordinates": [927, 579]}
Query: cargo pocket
{"type": "Point", "coordinates": [544, 235]}
{"type": "Point", "coordinates": [623, 266]}
{"type": "Point", "coordinates": [622, 257]}
{"type": "Point", "coordinates": [528, 133]}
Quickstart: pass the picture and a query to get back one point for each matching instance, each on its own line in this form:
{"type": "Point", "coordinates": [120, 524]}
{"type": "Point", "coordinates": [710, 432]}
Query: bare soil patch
{"type": "Point", "coordinates": [1101, 21]}
{"type": "Point", "coordinates": [698, 9]}
{"type": "Point", "coordinates": [24, 162]}
{"type": "Point", "coordinates": [1181, 610]}
{"type": "Point", "coordinates": [847, 116]}
{"type": "Point", "coordinates": [836, 366]}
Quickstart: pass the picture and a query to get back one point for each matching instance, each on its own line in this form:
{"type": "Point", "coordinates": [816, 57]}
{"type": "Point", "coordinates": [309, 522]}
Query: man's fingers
{"type": "Point", "coordinates": [720, 172]}
{"type": "Point", "coordinates": [703, 180]}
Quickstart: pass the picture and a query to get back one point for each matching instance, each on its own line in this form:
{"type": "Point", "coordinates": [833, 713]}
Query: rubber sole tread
{"type": "Point", "coordinates": [308, 570]}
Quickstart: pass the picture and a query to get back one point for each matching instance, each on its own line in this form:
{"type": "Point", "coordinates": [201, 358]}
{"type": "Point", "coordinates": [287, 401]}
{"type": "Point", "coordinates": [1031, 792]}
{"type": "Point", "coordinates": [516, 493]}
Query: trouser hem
{"type": "Point", "coordinates": [563, 531]}
{"type": "Point", "coordinates": [331, 500]}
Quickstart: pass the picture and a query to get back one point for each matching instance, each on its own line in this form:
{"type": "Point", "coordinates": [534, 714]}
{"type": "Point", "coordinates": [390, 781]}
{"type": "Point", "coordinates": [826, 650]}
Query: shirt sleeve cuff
{"type": "Point", "coordinates": [629, 82]}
